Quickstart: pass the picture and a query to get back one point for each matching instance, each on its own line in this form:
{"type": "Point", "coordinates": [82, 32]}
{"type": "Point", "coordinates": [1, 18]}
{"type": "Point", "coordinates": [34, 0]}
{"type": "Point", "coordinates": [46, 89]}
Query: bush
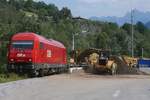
{"type": "Point", "coordinates": [7, 77]}
{"type": "Point", "coordinates": [2, 68]}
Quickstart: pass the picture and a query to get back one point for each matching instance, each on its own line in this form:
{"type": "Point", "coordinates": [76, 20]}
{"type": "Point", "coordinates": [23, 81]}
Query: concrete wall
{"type": "Point", "coordinates": [145, 69]}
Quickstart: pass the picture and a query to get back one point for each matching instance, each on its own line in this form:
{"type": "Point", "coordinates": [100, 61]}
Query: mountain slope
{"type": "Point", "coordinates": [148, 24]}
{"type": "Point", "coordinates": [138, 16]}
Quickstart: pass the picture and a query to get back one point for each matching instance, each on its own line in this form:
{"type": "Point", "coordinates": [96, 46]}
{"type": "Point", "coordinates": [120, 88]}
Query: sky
{"type": "Point", "coordinates": [89, 8]}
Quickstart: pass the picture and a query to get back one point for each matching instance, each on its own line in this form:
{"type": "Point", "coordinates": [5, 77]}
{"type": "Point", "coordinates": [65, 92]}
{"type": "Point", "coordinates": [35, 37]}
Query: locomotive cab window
{"type": "Point", "coordinates": [41, 45]}
{"type": "Point", "coordinates": [22, 44]}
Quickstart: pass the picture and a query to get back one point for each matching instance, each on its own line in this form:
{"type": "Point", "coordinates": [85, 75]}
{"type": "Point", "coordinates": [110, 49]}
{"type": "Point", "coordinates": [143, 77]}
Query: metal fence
{"type": "Point", "coordinates": [144, 63]}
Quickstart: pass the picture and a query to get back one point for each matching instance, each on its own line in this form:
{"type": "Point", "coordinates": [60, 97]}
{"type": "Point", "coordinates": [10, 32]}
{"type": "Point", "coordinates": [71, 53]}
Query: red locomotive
{"type": "Point", "coordinates": [34, 54]}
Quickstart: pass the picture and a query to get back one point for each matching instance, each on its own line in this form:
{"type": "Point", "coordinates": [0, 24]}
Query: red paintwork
{"type": "Point", "coordinates": [39, 56]}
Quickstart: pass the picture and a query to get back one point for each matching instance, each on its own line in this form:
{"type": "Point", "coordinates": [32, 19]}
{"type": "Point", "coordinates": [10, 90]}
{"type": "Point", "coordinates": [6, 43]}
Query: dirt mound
{"type": "Point", "coordinates": [123, 68]}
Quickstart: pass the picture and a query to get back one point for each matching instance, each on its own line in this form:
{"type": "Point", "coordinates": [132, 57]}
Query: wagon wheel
{"type": "Point", "coordinates": [114, 69]}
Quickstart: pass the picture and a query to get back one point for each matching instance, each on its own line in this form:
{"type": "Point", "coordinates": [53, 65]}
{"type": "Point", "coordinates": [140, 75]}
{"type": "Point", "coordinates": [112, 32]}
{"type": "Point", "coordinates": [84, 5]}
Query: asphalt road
{"type": "Point", "coordinates": [78, 87]}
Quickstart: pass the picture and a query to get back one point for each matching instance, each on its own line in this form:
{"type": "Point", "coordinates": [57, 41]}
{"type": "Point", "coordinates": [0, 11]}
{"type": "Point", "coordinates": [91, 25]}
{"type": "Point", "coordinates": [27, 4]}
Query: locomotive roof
{"type": "Point", "coordinates": [40, 38]}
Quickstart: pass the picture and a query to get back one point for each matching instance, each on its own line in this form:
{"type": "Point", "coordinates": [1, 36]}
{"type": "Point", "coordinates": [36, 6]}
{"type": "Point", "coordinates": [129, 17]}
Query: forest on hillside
{"type": "Point", "coordinates": [51, 22]}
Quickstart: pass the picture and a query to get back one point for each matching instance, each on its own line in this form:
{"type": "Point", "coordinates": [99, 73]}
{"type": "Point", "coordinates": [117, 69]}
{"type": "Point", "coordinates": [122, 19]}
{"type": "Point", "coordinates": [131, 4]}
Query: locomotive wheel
{"type": "Point", "coordinates": [114, 69]}
{"type": "Point", "coordinates": [41, 73]}
{"type": "Point", "coordinates": [33, 74]}
{"type": "Point", "coordinates": [58, 70]}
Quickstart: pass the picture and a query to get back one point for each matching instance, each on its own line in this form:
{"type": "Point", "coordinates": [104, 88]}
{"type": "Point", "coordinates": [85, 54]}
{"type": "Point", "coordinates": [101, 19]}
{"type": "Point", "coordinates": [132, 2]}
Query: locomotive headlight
{"type": "Point", "coordinates": [30, 60]}
{"type": "Point", "coordinates": [12, 60]}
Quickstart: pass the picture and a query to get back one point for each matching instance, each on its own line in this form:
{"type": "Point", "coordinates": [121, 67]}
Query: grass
{"type": "Point", "coordinates": [10, 77]}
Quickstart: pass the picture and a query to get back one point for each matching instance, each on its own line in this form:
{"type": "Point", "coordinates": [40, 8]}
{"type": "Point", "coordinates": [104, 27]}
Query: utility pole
{"type": "Point", "coordinates": [73, 38]}
{"type": "Point", "coordinates": [142, 52]}
{"type": "Point", "coordinates": [72, 42]}
{"type": "Point", "coordinates": [132, 31]}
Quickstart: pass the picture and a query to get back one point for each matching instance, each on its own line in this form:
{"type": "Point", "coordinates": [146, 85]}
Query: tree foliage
{"type": "Point", "coordinates": [47, 20]}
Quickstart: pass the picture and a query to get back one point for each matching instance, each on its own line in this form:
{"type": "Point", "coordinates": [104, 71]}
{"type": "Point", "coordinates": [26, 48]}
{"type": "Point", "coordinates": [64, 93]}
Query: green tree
{"type": "Point", "coordinates": [102, 41]}
{"type": "Point", "coordinates": [127, 28]}
{"type": "Point", "coordinates": [141, 27]}
{"type": "Point", "coordinates": [65, 13]}
{"type": "Point", "coordinates": [29, 5]}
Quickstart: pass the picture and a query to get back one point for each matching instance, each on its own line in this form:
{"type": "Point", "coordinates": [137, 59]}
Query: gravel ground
{"type": "Point", "coordinates": [79, 86]}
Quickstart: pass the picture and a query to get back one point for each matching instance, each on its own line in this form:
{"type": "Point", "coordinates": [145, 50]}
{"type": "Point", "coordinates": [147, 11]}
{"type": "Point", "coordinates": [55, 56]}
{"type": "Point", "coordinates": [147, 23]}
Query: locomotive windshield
{"type": "Point", "coordinates": [22, 44]}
